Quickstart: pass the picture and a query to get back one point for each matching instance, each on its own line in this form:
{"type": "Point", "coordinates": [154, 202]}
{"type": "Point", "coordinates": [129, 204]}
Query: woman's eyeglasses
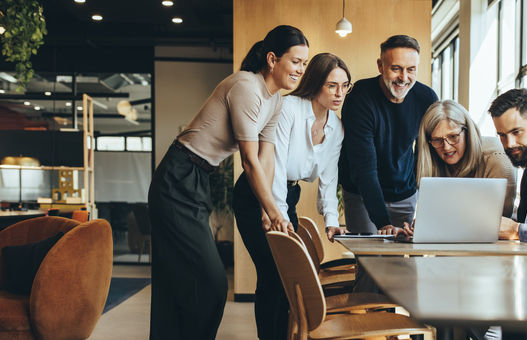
{"type": "Point", "coordinates": [345, 88]}
{"type": "Point", "coordinates": [450, 139]}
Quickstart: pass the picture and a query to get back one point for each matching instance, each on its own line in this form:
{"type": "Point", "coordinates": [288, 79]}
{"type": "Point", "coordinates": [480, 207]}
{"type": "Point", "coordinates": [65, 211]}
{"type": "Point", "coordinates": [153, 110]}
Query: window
{"type": "Point", "coordinates": [110, 143]}
{"type": "Point", "coordinates": [445, 69]}
{"type": "Point", "coordinates": [138, 143]}
{"type": "Point", "coordinates": [507, 46]}
{"type": "Point", "coordinates": [121, 143]}
{"type": "Point", "coordinates": [523, 21]}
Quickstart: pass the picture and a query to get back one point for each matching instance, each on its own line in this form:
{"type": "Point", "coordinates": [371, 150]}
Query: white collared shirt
{"type": "Point", "coordinates": [297, 159]}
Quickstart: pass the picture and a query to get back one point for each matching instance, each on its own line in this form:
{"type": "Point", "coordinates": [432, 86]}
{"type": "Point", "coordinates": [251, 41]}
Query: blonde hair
{"type": "Point", "coordinates": [429, 164]}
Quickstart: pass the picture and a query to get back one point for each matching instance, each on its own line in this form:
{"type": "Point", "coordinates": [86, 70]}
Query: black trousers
{"type": "Point", "coordinates": [271, 307]}
{"type": "Point", "coordinates": [189, 284]}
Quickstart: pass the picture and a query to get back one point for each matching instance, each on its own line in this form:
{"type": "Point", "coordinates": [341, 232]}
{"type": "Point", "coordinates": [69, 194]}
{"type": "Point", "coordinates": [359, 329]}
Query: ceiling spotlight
{"type": "Point", "coordinates": [47, 93]}
{"type": "Point", "coordinates": [343, 26]}
{"type": "Point", "coordinates": [79, 108]}
{"type": "Point", "coordinates": [177, 20]}
{"type": "Point", "coordinates": [167, 3]}
{"type": "Point", "coordinates": [97, 17]}
{"type": "Point", "coordinates": [80, 1]}
{"type": "Point", "coordinates": [37, 108]}
{"type": "Point", "coordinates": [68, 104]}
{"type": "Point", "coordinates": [27, 103]}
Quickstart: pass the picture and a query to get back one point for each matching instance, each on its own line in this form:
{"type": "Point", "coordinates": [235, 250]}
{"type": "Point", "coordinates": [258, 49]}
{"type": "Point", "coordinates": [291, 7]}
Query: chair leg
{"type": "Point", "coordinates": [142, 246]}
{"type": "Point", "coordinates": [292, 326]}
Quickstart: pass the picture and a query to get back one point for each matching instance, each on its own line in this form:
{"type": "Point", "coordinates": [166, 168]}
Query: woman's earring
{"type": "Point", "coordinates": [272, 69]}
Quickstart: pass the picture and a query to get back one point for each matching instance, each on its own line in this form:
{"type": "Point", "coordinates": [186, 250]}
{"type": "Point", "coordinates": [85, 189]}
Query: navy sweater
{"type": "Point", "coordinates": [377, 159]}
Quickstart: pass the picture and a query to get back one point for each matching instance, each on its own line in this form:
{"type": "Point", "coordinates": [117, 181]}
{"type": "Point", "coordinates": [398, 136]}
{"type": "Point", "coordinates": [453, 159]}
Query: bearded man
{"type": "Point", "coordinates": [509, 114]}
{"type": "Point", "coordinates": [381, 119]}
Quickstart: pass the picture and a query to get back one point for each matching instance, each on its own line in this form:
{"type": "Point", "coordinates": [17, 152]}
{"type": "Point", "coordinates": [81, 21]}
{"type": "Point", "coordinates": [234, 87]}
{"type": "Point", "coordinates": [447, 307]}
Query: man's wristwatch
{"type": "Point", "coordinates": [327, 228]}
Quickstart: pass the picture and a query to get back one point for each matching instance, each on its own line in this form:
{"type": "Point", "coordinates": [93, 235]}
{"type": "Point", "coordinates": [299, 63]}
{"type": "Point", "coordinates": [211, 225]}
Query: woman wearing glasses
{"type": "Point", "coordinates": [308, 142]}
{"type": "Point", "coordinates": [450, 145]}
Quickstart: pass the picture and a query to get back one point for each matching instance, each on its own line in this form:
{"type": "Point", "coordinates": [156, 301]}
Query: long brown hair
{"type": "Point", "coordinates": [317, 72]}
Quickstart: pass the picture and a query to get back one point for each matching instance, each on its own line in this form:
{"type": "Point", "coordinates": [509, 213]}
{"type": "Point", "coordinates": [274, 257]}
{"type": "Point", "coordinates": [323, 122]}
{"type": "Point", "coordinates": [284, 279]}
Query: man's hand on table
{"type": "Point", "coordinates": [391, 230]}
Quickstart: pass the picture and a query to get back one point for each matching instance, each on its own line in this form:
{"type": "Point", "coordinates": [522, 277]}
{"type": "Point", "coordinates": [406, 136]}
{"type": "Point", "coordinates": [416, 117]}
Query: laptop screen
{"type": "Point", "coordinates": [459, 210]}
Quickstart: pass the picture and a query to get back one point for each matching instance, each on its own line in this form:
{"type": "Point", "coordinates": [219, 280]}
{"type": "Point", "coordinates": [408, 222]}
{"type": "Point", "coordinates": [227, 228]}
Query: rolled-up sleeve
{"type": "Point", "coordinates": [327, 202]}
{"type": "Point", "coordinates": [244, 106]}
{"type": "Point", "coordinates": [283, 134]}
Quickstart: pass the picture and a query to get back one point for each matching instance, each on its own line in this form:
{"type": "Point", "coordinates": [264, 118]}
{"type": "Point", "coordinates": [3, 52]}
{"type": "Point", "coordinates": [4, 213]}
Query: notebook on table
{"type": "Point", "coordinates": [458, 210]}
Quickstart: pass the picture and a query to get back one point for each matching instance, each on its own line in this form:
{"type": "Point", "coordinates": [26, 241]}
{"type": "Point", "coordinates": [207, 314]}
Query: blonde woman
{"type": "Point", "coordinates": [450, 145]}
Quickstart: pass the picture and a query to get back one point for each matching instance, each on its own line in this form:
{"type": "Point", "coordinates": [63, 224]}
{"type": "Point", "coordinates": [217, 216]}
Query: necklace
{"type": "Point", "coordinates": [315, 133]}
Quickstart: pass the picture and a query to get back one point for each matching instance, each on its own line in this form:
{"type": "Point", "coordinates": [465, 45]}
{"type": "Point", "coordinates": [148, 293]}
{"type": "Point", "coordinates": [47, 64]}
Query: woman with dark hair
{"type": "Point", "coordinates": [189, 285]}
{"type": "Point", "coordinates": [308, 141]}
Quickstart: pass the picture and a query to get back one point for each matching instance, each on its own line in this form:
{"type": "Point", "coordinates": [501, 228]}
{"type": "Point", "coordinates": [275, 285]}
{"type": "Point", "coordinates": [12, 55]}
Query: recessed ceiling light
{"type": "Point", "coordinates": [68, 104]}
{"type": "Point", "coordinates": [97, 17]}
{"type": "Point", "coordinates": [37, 108]}
{"type": "Point", "coordinates": [167, 3]}
{"type": "Point", "coordinates": [177, 20]}
{"type": "Point", "coordinates": [80, 1]}
{"type": "Point", "coordinates": [79, 108]}
{"type": "Point", "coordinates": [47, 93]}
{"type": "Point", "coordinates": [27, 103]}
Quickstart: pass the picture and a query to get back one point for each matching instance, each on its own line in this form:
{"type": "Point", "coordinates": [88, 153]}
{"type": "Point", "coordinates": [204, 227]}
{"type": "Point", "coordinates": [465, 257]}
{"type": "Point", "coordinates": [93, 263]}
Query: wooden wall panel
{"type": "Point", "coordinates": [373, 22]}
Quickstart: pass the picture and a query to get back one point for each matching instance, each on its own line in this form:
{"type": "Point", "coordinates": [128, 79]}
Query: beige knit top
{"type": "Point", "coordinates": [497, 165]}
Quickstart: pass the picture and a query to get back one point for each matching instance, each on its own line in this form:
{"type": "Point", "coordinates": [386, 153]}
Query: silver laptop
{"type": "Point", "coordinates": [459, 210]}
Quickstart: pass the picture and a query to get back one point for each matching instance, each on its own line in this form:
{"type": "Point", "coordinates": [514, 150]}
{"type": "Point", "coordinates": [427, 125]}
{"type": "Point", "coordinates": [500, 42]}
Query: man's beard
{"type": "Point", "coordinates": [391, 87]}
{"type": "Point", "coordinates": [519, 160]}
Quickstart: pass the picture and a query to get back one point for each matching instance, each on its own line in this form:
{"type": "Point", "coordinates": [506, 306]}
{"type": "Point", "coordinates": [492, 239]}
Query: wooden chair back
{"type": "Point", "coordinates": [311, 226]}
{"type": "Point", "coordinates": [300, 280]}
{"type": "Point", "coordinates": [304, 234]}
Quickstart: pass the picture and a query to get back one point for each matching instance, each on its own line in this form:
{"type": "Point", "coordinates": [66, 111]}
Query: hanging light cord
{"type": "Point", "coordinates": [343, 7]}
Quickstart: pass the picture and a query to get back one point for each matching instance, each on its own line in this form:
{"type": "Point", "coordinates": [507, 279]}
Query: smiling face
{"type": "Point", "coordinates": [337, 77]}
{"type": "Point", "coordinates": [287, 69]}
{"type": "Point", "coordinates": [398, 68]}
{"type": "Point", "coordinates": [512, 129]}
{"type": "Point", "coordinates": [450, 154]}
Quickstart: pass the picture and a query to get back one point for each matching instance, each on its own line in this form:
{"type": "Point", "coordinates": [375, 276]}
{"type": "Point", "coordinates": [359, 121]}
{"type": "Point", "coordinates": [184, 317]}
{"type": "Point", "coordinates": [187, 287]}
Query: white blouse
{"type": "Point", "coordinates": [297, 159]}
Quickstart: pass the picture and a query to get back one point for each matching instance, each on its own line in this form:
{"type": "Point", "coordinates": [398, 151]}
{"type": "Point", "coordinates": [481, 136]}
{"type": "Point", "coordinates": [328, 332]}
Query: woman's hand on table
{"type": "Point", "coordinates": [332, 231]}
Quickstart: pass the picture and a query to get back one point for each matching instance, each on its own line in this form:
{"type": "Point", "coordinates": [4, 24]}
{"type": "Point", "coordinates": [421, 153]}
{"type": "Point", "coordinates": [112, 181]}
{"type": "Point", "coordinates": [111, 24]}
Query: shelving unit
{"type": "Point", "coordinates": [88, 168]}
{"type": "Point", "coordinates": [89, 147]}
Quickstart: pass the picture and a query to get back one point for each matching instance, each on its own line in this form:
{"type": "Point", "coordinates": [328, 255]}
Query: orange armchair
{"type": "Point", "coordinates": [71, 285]}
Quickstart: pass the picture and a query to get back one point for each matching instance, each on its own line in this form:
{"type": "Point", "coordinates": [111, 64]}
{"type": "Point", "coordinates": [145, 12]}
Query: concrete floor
{"type": "Point", "coordinates": [131, 319]}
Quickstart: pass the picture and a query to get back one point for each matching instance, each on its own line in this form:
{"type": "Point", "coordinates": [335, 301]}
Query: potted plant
{"type": "Point", "coordinates": [24, 29]}
{"type": "Point", "coordinates": [221, 219]}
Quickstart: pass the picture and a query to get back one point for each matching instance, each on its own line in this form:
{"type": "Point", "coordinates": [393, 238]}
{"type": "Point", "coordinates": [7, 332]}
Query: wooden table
{"type": "Point", "coordinates": [366, 247]}
{"type": "Point", "coordinates": [456, 291]}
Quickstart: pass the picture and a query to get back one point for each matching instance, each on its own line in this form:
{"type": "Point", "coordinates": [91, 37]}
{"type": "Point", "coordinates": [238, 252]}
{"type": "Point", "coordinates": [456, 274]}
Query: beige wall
{"type": "Point", "coordinates": [373, 21]}
{"type": "Point", "coordinates": [181, 88]}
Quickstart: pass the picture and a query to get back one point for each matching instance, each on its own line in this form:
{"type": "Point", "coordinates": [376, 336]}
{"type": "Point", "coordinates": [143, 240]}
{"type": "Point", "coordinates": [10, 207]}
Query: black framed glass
{"type": "Point", "coordinates": [452, 139]}
{"type": "Point", "coordinates": [345, 88]}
